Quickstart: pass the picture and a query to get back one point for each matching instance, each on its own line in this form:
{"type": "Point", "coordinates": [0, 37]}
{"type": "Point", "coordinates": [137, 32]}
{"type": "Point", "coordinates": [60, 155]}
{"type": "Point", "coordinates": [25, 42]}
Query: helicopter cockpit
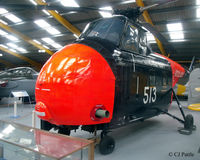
{"type": "Point", "coordinates": [119, 31]}
{"type": "Point", "coordinates": [109, 29]}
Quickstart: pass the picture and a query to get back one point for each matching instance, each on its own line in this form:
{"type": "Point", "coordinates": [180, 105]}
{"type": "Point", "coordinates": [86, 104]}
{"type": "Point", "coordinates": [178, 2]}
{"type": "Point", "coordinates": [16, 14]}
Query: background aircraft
{"type": "Point", "coordinates": [18, 79]}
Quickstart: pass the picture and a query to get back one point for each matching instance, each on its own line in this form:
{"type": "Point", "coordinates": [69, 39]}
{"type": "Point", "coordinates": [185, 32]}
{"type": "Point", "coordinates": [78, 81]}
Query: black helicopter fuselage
{"type": "Point", "coordinates": [143, 79]}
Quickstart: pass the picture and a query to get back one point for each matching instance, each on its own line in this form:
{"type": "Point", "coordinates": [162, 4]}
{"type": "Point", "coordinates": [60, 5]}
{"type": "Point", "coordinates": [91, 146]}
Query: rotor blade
{"type": "Point", "coordinates": [191, 65]}
{"type": "Point", "coordinates": [159, 36]}
{"type": "Point", "coordinates": [158, 3]}
{"type": "Point", "coordinates": [50, 7]}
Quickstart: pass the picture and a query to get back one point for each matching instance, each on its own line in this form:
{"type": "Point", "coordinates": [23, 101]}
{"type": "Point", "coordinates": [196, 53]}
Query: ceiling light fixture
{"type": "Point", "coordinates": [176, 35]}
{"type": "Point", "coordinates": [21, 50]}
{"type": "Point", "coordinates": [12, 45]}
{"type": "Point", "coordinates": [2, 45]}
{"type": "Point", "coordinates": [3, 22]}
{"type": "Point", "coordinates": [175, 27]}
{"type": "Point", "coordinates": [56, 45]}
{"type": "Point", "coordinates": [42, 23]}
{"type": "Point", "coordinates": [13, 18]}
{"type": "Point", "coordinates": [104, 13]}
{"type": "Point", "coordinates": [13, 50]}
{"type": "Point", "coordinates": [198, 12]}
{"type": "Point", "coordinates": [175, 30]}
{"type": "Point", "coordinates": [36, 41]}
{"type": "Point", "coordinates": [48, 40]}
{"type": "Point", "coordinates": [3, 33]}
{"type": "Point", "coordinates": [12, 38]}
{"type": "Point", "coordinates": [33, 2]}
{"type": "Point", "coordinates": [52, 31]}
{"type": "Point", "coordinates": [197, 2]}
{"type": "Point", "coordinates": [41, 51]}
{"type": "Point", "coordinates": [127, 2]}
{"type": "Point", "coordinates": [69, 3]}
{"type": "Point", "coordinates": [47, 13]}
{"type": "Point", "coordinates": [3, 11]}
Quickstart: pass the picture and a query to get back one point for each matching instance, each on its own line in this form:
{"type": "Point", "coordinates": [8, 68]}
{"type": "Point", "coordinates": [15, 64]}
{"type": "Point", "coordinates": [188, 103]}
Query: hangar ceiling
{"type": "Point", "coordinates": [35, 35]}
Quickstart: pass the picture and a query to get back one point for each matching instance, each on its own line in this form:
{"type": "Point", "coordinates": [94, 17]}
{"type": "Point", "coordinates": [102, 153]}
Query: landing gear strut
{"type": "Point", "coordinates": [188, 120]}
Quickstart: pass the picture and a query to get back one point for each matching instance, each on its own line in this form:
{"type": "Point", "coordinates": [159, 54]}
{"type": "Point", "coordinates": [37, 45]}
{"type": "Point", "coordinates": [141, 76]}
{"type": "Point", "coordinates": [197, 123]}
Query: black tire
{"type": "Point", "coordinates": [106, 145]}
{"type": "Point", "coordinates": [45, 125]}
{"type": "Point", "coordinates": [64, 131]}
{"type": "Point", "coordinates": [189, 122]}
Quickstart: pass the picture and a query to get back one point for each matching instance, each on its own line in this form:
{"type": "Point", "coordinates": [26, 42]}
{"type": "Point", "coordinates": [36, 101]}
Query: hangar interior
{"type": "Point", "coordinates": [30, 36]}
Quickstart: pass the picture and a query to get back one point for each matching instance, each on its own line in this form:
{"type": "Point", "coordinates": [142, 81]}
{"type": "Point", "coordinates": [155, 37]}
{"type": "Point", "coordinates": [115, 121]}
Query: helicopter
{"type": "Point", "coordinates": [108, 78]}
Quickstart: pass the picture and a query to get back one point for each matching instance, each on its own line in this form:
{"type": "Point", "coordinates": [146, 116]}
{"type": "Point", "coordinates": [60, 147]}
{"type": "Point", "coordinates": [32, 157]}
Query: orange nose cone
{"type": "Point", "coordinates": [72, 83]}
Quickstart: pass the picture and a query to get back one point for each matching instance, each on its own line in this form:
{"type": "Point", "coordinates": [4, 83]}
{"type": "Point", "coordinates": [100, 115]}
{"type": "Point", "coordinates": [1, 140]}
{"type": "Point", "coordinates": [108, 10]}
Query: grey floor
{"type": "Point", "coordinates": [154, 139]}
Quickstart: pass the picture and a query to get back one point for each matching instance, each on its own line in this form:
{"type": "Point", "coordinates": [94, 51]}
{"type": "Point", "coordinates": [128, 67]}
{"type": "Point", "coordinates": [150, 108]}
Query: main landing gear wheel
{"type": "Point", "coordinates": [188, 125]}
{"type": "Point", "coordinates": [64, 131]}
{"type": "Point", "coordinates": [189, 122]}
{"type": "Point", "coordinates": [45, 125]}
{"type": "Point", "coordinates": [106, 145]}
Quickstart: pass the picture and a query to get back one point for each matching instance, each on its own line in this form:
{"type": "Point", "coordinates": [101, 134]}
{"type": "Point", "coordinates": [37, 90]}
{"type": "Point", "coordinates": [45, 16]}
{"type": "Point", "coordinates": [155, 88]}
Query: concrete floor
{"type": "Point", "coordinates": [154, 139]}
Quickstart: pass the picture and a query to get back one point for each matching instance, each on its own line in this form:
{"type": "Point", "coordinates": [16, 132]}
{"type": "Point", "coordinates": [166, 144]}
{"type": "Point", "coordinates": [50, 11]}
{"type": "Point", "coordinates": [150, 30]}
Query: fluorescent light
{"type": "Point", "coordinates": [42, 23]}
{"type": "Point", "coordinates": [45, 47]}
{"type": "Point", "coordinates": [47, 13]}
{"type": "Point", "coordinates": [75, 35]}
{"type": "Point", "coordinates": [178, 40]}
{"type": "Point", "coordinates": [13, 18]}
{"type": "Point", "coordinates": [41, 51]}
{"type": "Point", "coordinates": [198, 12]}
{"type": "Point", "coordinates": [69, 3]}
{"type": "Point", "coordinates": [1, 54]}
{"type": "Point", "coordinates": [2, 45]}
{"type": "Point", "coordinates": [52, 30]}
{"type": "Point", "coordinates": [150, 37]}
{"type": "Point", "coordinates": [3, 22]}
{"type": "Point", "coordinates": [36, 41]}
{"type": "Point", "coordinates": [106, 14]}
{"type": "Point", "coordinates": [127, 2]}
{"type": "Point", "coordinates": [51, 42]}
{"type": "Point", "coordinates": [3, 33]}
{"type": "Point", "coordinates": [33, 2]}
{"type": "Point", "coordinates": [13, 50]}
{"type": "Point", "coordinates": [12, 45]}
{"type": "Point", "coordinates": [48, 40]}
{"type": "Point", "coordinates": [176, 35]}
{"type": "Point", "coordinates": [56, 45]}
{"type": "Point", "coordinates": [21, 49]}
{"type": "Point", "coordinates": [175, 27]}
{"type": "Point", "coordinates": [3, 11]}
{"type": "Point", "coordinates": [12, 38]}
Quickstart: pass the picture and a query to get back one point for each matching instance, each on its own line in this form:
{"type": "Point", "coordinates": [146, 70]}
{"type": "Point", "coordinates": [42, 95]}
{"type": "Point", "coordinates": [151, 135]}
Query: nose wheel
{"type": "Point", "coordinates": [106, 145]}
{"type": "Point", "coordinates": [64, 131]}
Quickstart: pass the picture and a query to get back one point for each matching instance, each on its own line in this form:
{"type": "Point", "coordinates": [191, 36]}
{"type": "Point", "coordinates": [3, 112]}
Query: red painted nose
{"type": "Point", "coordinates": [74, 83]}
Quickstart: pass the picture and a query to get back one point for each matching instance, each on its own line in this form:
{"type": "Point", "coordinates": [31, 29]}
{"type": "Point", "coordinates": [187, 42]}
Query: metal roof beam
{"type": "Point", "coordinates": [25, 38]}
{"type": "Point", "coordinates": [60, 19]}
{"type": "Point", "coordinates": [33, 63]}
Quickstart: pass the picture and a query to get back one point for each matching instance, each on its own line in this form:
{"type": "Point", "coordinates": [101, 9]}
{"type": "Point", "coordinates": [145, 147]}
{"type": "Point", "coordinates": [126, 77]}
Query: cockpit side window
{"type": "Point", "coordinates": [130, 41]}
{"type": "Point", "coordinates": [142, 45]}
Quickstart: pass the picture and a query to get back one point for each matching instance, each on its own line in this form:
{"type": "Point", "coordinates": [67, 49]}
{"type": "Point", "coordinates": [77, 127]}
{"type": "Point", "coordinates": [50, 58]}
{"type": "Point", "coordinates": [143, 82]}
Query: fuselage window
{"type": "Point", "coordinates": [130, 41]}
